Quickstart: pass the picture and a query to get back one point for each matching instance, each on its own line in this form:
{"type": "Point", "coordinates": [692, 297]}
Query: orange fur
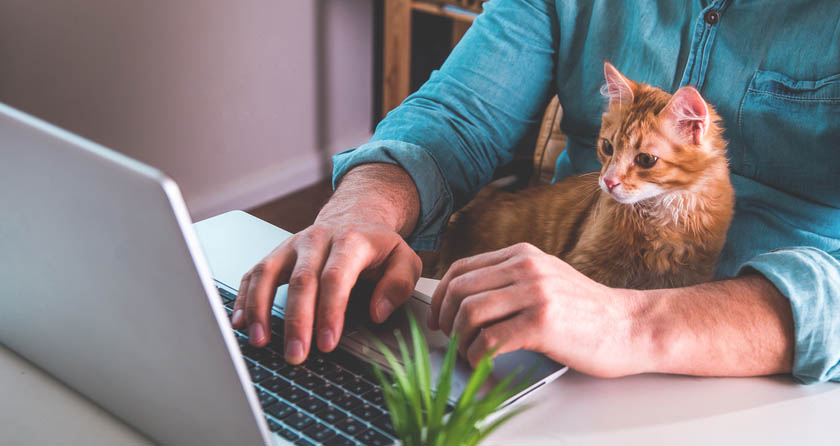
{"type": "Point", "coordinates": [660, 226]}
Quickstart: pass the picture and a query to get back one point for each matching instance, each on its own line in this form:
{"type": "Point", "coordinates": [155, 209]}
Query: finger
{"type": "Point", "coordinates": [237, 318]}
{"type": "Point", "coordinates": [262, 287]}
{"type": "Point", "coordinates": [303, 291]}
{"type": "Point", "coordinates": [402, 270]}
{"type": "Point", "coordinates": [473, 282]}
{"type": "Point", "coordinates": [458, 268]}
{"type": "Point", "coordinates": [348, 257]}
{"type": "Point", "coordinates": [483, 310]}
{"type": "Point", "coordinates": [506, 336]}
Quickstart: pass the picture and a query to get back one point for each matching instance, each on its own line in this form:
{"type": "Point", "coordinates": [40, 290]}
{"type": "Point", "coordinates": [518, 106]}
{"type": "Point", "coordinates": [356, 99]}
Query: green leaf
{"type": "Point", "coordinates": [444, 387]}
{"type": "Point", "coordinates": [422, 364]}
{"type": "Point", "coordinates": [418, 410]}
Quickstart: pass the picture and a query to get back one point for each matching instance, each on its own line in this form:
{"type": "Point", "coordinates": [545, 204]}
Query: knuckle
{"type": "Point", "coordinates": [259, 269]}
{"type": "Point", "coordinates": [402, 284]}
{"type": "Point", "coordinates": [312, 234]}
{"type": "Point", "coordinates": [470, 309]}
{"type": "Point", "coordinates": [528, 264]}
{"type": "Point", "coordinates": [302, 279]}
{"type": "Point", "coordinates": [332, 274]}
{"type": "Point", "coordinates": [296, 324]}
{"type": "Point", "coordinates": [459, 264]}
{"type": "Point", "coordinates": [523, 247]}
{"type": "Point", "coordinates": [486, 340]}
{"type": "Point", "coordinates": [456, 285]}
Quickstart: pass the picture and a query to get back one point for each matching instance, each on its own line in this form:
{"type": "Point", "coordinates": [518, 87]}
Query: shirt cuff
{"type": "Point", "coordinates": [436, 203]}
{"type": "Point", "coordinates": [810, 279]}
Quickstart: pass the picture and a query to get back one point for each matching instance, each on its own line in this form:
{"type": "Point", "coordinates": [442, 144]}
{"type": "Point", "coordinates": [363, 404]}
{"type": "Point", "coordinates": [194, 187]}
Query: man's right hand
{"type": "Point", "coordinates": [356, 234]}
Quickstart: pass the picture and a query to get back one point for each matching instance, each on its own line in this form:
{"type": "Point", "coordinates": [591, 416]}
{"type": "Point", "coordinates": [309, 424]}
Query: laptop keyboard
{"type": "Point", "coordinates": [332, 399]}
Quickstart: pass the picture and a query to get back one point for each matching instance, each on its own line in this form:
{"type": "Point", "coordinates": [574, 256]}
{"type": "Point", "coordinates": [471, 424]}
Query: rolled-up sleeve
{"type": "Point", "coordinates": [810, 279]}
{"type": "Point", "coordinates": [465, 121]}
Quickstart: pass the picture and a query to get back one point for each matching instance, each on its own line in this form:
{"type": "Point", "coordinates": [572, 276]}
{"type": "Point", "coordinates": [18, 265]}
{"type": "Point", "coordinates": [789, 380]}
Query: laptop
{"type": "Point", "coordinates": [107, 288]}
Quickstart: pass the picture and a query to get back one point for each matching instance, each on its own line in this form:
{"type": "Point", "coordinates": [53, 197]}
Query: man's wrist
{"type": "Point", "coordinates": [649, 331]}
{"type": "Point", "coordinates": [736, 327]}
{"type": "Point", "coordinates": [376, 193]}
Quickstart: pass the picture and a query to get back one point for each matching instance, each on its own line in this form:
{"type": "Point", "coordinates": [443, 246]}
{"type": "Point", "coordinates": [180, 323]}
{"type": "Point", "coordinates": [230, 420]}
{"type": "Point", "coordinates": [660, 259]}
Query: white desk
{"type": "Point", "coordinates": [574, 410]}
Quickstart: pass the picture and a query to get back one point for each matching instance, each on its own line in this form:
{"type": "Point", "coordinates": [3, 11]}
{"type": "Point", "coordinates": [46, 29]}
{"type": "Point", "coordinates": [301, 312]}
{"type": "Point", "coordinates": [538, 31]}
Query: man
{"type": "Point", "coordinates": [771, 69]}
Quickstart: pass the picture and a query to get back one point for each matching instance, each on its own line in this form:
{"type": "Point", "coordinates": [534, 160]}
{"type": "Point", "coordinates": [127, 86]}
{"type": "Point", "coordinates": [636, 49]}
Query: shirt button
{"type": "Point", "coordinates": [712, 17]}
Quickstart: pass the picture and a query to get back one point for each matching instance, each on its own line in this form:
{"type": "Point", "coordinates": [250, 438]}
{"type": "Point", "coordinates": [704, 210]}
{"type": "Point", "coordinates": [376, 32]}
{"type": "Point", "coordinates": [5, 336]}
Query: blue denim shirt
{"type": "Point", "coordinates": [770, 68]}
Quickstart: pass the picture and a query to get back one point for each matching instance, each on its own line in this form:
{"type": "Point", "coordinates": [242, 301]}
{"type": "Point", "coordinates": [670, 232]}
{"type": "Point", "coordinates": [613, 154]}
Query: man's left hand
{"type": "Point", "coordinates": [522, 298]}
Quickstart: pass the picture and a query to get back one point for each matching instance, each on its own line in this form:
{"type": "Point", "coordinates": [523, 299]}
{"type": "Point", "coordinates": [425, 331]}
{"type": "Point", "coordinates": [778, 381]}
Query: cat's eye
{"type": "Point", "coordinates": [646, 160]}
{"type": "Point", "coordinates": [607, 147]}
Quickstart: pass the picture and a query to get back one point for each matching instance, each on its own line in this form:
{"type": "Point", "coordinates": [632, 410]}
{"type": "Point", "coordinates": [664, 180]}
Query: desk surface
{"type": "Point", "coordinates": [575, 409]}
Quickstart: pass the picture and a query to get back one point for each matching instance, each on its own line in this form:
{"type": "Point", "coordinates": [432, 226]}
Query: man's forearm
{"type": "Point", "coordinates": [738, 327]}
{"type": "Point", "coordinates": [376, 193]}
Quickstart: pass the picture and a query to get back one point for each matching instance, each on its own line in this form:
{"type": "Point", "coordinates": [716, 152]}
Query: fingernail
{"type": "Point", "coordinates": [237, 317]}
{"type": "Point", "coordinates": [256, 333]}
{"type": "Point", "coordinates": [294, 350]}
{"type": "Point", "coordinates": [384, 309]}
{"type": "Point", "coordinates": [325, 339]}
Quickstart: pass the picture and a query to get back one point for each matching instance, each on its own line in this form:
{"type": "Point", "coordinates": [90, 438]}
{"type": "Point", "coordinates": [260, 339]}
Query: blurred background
{"type": "Point", "coordinates": [241, 102]}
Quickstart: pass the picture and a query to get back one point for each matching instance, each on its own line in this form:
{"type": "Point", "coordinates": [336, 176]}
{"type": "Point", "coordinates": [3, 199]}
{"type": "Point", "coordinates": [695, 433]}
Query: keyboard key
{"type": "Point", "coordinates": [328, 392]}
{"type": "Point", "coordinates": [288, 434]}
{"type": "Point", "coordinates": [280, 410]}
{"type": "Point", "coordinates": [319, 432]}
{"type": "Point", "coordinates": [332, 415]}
{"type": "Point", "coordinates": [347, 401]}
{"type": "Point", "coordinates": [293, 394]}
{"type": "Point", "coordinates": [304, 442]}
{"type": "Point", "coordinates": [384, 424]}
{"type": "Point", "coordinates": [298, 420]}
{"type": "Point", "coordinates": [311, 382]}
{"type": "Point", "coordinates": [372, 438]}
{"type": "Point", "coordinates": [273, 426]}
{"type": "Point", "coordinates": [258, 373]}
{"type": "Point", "coordinates": [294, 373]}
{"type": "Point", "coordinates": [226, 295]}
{"type": "Point", "coordinates": [320, 365]}
{"type": "Point", "coordinates": [340, 440]}
{"type": "Point", "coordinates": [375, 397]}
{"type": "Point", "coordinates": [367, 412]}
{"type": "Point", "coordinates": [266, 399]}
{"type": "Point", "coordinates": [351, 427]}
{"type": "Point", "coordinates": [340, 377]}
{"type": "Point", "coordinates": [272, 361]}
{"type": "Point", "coordinates": [275, 384]}
{"type": "Point", "coordinates": [311, 404]}
{"type": "Point", "coordinates": [358, 386]}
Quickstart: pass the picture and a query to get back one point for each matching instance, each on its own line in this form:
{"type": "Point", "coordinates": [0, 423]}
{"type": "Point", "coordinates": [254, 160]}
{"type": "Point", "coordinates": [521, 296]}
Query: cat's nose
{"type": "Point", "coordinates": [611, 183]}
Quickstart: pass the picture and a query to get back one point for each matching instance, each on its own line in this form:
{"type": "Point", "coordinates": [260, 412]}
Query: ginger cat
{"type": "Point", "coordinates": [655, 216]}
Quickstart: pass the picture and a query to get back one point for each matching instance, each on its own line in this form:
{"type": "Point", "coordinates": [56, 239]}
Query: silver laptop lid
{"type": "Point", "coordinates": [104, 286]}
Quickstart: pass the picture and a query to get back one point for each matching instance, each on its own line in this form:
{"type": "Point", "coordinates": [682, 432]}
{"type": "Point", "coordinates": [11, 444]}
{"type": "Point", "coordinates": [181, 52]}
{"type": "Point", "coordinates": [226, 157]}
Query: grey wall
{"type": "Point", "coordinates": [241, 101]}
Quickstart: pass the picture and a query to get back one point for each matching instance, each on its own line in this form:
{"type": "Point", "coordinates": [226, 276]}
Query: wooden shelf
{"type": "Point", "coordinates": [396, 59]}
{"type": "Point", "coordinates": [438, 10]}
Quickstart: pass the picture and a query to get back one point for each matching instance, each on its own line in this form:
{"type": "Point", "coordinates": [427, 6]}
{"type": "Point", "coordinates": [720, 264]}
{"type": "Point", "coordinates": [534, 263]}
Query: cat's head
{"type": "Point", "coordinates": [652, 143]}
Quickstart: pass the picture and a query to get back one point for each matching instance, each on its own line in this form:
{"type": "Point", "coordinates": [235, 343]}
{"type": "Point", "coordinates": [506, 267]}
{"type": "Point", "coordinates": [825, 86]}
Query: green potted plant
{"type": "Point", "coordinates": [419, 411]}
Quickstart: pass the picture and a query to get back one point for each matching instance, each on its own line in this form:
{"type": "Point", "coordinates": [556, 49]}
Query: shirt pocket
{"type": "Point", "coordinates": [791, 134]}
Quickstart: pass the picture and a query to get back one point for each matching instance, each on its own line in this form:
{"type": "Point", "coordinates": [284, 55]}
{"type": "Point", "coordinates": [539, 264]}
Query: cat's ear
{"type": "Point", "coordinates": [618, 88]}
{"type": "Point", "coordinates": [686, 117]}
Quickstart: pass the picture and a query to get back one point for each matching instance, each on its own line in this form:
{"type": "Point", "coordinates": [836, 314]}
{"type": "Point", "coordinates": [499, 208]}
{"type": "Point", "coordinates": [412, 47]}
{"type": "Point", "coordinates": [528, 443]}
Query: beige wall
{"type": "Point", "coordinates": [231, 98]}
